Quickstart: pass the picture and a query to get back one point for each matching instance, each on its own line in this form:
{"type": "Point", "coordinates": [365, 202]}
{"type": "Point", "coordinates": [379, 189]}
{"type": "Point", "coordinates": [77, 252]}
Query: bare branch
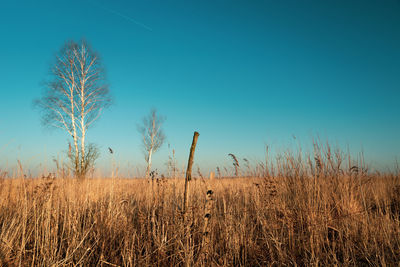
{"type": "Point", "coordinates": [152, 136]}
{"type": "Point", "coordinates": [75, 97]}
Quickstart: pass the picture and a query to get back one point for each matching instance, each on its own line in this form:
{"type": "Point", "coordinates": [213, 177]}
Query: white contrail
{"type": "Point", "coordinates": [123, 16]}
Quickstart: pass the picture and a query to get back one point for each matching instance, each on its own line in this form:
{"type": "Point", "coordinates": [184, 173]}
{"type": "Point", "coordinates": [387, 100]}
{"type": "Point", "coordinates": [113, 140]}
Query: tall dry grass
{"type": "Point", "coordinates": [300, 211]}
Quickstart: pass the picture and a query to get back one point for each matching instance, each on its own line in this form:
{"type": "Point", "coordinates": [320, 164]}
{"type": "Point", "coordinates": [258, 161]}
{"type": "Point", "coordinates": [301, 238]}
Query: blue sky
{"type": "Point", "coordinates": [242, 73]}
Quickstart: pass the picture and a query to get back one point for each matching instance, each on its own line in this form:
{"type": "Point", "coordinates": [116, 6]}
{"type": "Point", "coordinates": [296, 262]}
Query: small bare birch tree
{"type": "Point", "coordinates": [74, 99]}
{"type": "Point", "coordinates": [152, 136]}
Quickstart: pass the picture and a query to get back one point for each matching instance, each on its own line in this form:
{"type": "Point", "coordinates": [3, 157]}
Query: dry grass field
{"type": "Point", "coordinates": [313, 215]}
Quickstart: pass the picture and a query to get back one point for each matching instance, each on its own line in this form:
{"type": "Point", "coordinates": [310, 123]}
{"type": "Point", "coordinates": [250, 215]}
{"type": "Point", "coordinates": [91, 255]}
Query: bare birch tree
{"type": "Point", "coordinates": [152, 136]}
{"type": "Point", "coordinates": [74, 99]}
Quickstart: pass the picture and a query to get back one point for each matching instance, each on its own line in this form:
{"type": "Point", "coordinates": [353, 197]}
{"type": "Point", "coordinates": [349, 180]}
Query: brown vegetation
{"type": "Point", "coordinates": [321, 214]}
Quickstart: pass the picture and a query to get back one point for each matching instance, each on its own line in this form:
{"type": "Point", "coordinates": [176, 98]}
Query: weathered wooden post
{"type": "Point", "coordinates": [188, 176]}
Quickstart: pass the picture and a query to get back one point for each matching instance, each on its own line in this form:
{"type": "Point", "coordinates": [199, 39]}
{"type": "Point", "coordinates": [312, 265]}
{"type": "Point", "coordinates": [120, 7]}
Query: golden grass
{"type": "Point", "coordinates": [346, 220]}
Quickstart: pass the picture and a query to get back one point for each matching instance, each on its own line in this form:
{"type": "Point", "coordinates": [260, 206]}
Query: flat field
{"type": "Point", "coordinates": [347, 219]}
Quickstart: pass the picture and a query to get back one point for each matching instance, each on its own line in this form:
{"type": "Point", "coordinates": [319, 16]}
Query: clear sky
{"type": "Point", "coordinates": [242, 73]}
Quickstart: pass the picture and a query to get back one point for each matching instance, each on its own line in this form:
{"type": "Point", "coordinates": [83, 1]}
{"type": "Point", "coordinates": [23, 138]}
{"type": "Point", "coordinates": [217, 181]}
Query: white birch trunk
{"type": "Point", "coordinates": [149, 164]}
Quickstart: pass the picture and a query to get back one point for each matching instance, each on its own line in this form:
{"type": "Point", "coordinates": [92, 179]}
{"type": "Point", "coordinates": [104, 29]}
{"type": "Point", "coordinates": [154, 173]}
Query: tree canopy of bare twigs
{"type": "Point", "coordinates": [152, 136]}
{"type": "Point", "coordinates": [76, 95]}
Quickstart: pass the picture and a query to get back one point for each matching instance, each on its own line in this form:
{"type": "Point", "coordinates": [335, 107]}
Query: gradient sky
{"type": "Point", "coordinates": [242, 73]}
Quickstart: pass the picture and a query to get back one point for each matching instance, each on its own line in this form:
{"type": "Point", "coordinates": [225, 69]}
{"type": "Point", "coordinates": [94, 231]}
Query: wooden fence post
{"type": "Point", "coordinates": [188, 176]}
{"type": "Point", "coordinates": [188, 252]}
